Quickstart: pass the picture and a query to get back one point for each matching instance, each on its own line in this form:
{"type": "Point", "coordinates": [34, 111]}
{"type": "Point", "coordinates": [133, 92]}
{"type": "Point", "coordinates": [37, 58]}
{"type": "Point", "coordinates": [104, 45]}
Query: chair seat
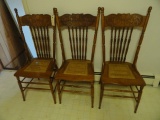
{"type": "Point", "coordinates": [37, 68]}
{"type": "Point", "coordinates": [122, 74]}
{"type": "Point", "coordinates": [76, 70]}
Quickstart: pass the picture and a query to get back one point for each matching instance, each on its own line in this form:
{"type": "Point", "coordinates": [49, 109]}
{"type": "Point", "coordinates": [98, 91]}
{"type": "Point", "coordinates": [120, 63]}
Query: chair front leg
{"type": "Point", "coordinates": [101, 94]}
{"type": "Point", "coordinates": [92, 94]}
{"type": "Point", "coordinates": [52, 90]}
{"type": "Point", "coordinates": [59, 90]}
{"type": "Point", "coordinates": [139, 98]}
{"type": "Point", "coordinates": [21, 88]}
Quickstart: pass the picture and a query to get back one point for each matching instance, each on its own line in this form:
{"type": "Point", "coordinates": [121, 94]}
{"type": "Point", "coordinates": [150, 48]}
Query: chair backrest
{"type": "Point", "coordinates": [120, 29]}
{"type": "Point", "coordinates": [39, 25]}
{"type": "Point", "coordinates": [79, 28]}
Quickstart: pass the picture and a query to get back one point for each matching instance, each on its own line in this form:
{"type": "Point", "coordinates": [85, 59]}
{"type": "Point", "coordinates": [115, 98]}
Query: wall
{"type": "Point", "coordinates": [18, 4]}
{"type": "Point", "coordinates": [149, 57]}
{"type": "Point", "coordinates": [11, 49]}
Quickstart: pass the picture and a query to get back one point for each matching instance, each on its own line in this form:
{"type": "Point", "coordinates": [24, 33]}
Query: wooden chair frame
{"type": "Point", "coordinates": [121, 27]}
{"type": "Point", "coordinates": [78, 25]}
{"type": "Point", "coordinates": [44, 66]}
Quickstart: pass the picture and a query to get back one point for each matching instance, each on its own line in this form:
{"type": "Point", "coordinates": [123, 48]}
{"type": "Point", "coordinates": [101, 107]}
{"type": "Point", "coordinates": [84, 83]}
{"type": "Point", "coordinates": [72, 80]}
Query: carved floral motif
{"type": "Point", "coordinates": [120, 20]}
{"type": "Point", "coordinates": [78, 20]}
{"type": "Point", "coordinates": [36, 20]}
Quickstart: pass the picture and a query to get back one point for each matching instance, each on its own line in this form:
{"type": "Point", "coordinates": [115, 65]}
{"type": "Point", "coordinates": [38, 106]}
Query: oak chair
{"type": "Point", "coordinates": [77, 59]}
{"type": "Point", "coordinates": [118, 39]}
{"type": "Point", "coordinates": [38, 73]}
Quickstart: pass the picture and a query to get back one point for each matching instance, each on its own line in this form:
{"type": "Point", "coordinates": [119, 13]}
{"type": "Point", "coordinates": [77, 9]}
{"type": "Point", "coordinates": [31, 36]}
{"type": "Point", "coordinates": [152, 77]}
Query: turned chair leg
{"type": "Point", "coordinates": [21, 88]}
{"type": "Point", "coordinates": [59, 91]}
{"type": "Point", "coordinates": [101, 95]}
{"type": "Point", "coordinates": [52, 91]}
{"type": "Point", "coordinates": [92, 95]}
{"type": "Point", "coordinates": [139, 98]}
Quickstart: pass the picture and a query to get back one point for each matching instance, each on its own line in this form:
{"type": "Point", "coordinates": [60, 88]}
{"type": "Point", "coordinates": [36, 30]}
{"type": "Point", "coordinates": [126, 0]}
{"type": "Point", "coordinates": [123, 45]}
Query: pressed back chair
{"type": "Point", "coordinates": [79, 66]}
{"type": "Point", "coordinates": [44, 65]}
{"type": "Point", "coordinates": [117, 71]}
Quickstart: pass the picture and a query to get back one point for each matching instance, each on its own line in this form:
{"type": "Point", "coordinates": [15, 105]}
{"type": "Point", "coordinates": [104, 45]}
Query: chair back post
{"type": "Point", "coordinates": [28, 54]}
{"type": "Point", "coordinates": [54, 40]}
{"type": "Point", "coordinates": [142, 35]}
{"type": "Point", "coordinates": [95, 34]}
{"type": "Point", "coordinates": [103, 35]}
{"type": "Point", "coordinates": [60, 34]}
